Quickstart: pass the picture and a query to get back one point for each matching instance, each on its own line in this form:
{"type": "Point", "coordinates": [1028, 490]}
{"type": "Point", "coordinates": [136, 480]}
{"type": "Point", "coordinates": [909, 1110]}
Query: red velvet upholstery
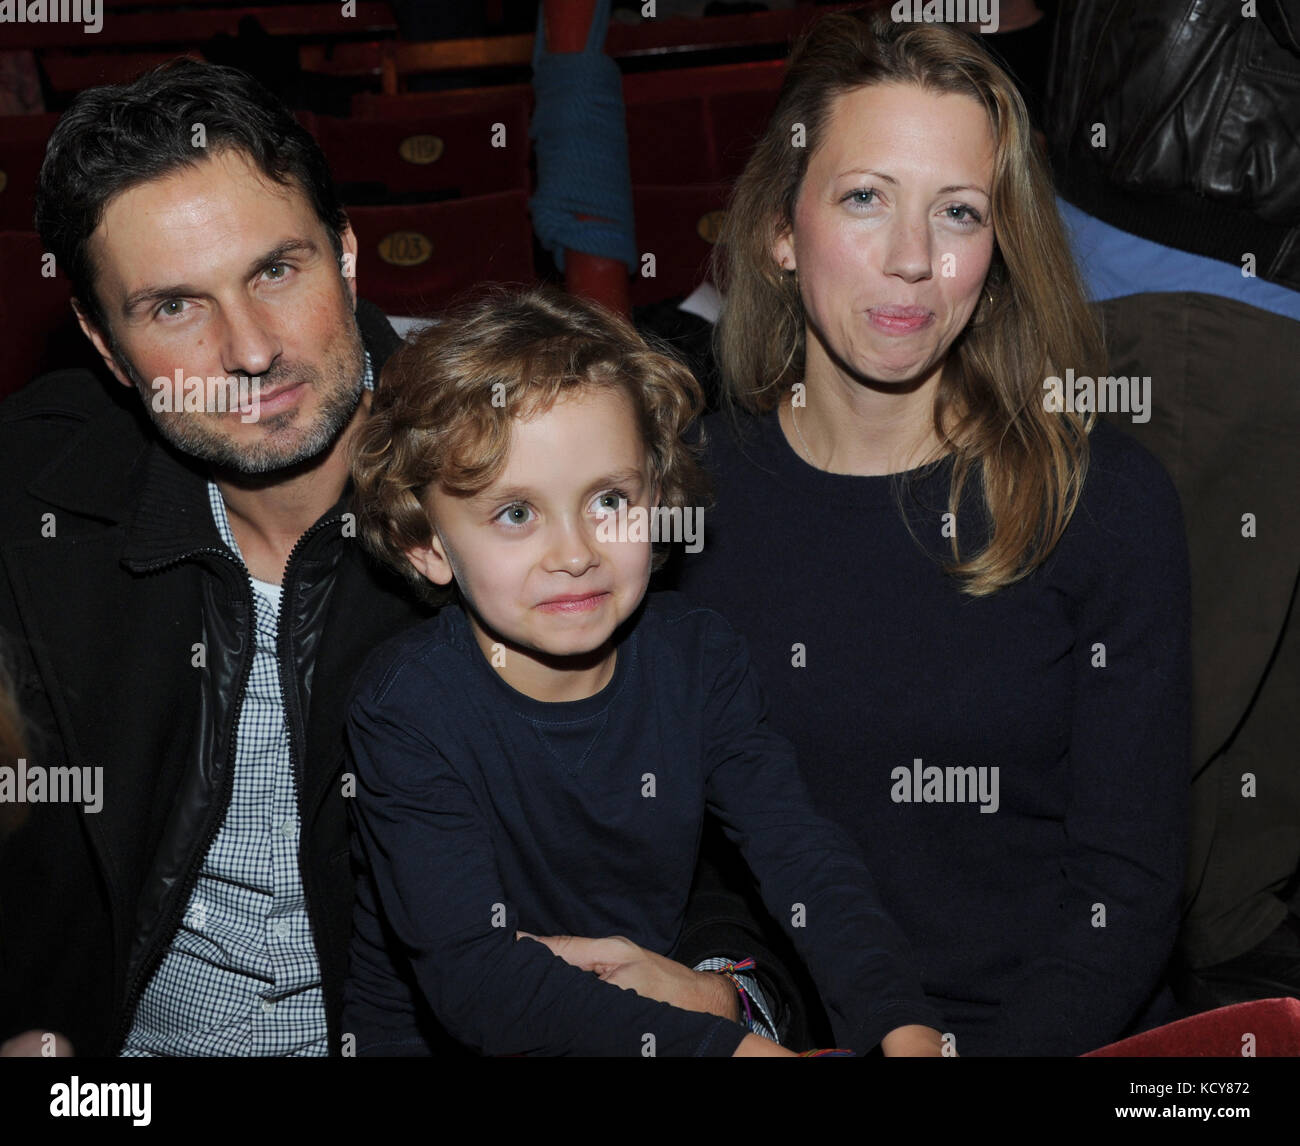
{"type": "Point", "coordinates": [1274, 1025]}
{"type": "Point", "coordinates": [441, 250]}
{"type": "Point", "coordinates": [449, 152]}
{"type": "Point", "coordinates": [678, 226]}
{"type": "Point", "coordinates": [453, 101]}
{"type": "Point", "coordinates": [131, 29]}
{"type": "Point", "coordinates": [75, 71]}
{"type": "Point", "coordinates": [22, 150]}
{"type": "Point", "coordinates": [697, 125]}
{"type": "Point", "coordinates": [689, 125]}
{"type": "Point", "coordinates": [40, 330]}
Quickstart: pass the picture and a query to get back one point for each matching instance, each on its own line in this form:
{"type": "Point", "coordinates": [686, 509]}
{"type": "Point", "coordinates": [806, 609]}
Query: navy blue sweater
{"type": "Point", "coordinates": [1043, 926]}
{"type": "Point", "coordinates": [481, 810]}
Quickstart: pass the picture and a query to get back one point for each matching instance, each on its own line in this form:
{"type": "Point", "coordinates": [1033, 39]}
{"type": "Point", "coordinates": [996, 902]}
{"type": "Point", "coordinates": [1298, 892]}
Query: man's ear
{"type": "Point", "coordinates": [431, 560]}
{"type": "Point", "coordinates": [348, 259]}
{"type": "Point", "coordinates": [91, 331]}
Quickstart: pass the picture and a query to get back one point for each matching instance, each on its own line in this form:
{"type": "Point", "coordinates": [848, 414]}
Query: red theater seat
{"type": "Point", "coordinates": [453, 101]}
{"type": "Point", "coordinates": [447, 154]}
{"type": "Point", "coordinates": [738, 119]}
{"type": "Point", "coordinates": [197, 23]}
{"type": "Point", "coordinates": [22, 149]}
{"type": "Point", "coordinates": [413, 260]}
{"type": "Point", "coordinates": [697, 125]}
{"type": "Point", "coordinates": [670, 141]}
{"type": "Point", "coordinates": [393, 61]}
{"type": "Point", "coordinates": [73, 72]}
{"type": "Point", "coordinates": [40, 330]}
{"type": "Point", "coordinates": [678, 226]}
{"type": "Point", "coordinates": [687, 125]}
{"type": "Point", "coordinates": [1266, 1028]}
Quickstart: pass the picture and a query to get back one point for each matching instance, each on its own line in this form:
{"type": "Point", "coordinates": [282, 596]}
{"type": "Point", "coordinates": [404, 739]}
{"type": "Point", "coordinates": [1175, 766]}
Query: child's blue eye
{"type": "Point", "coordinates": [612, 501]}
{"type": "Point", "coordinates": [515, 515]}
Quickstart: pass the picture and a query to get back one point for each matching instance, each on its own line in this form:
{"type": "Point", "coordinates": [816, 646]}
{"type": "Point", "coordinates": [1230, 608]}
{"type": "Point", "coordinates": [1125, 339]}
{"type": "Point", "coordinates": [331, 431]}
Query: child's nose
{"type": "Point", "coordinates": [570, 549]}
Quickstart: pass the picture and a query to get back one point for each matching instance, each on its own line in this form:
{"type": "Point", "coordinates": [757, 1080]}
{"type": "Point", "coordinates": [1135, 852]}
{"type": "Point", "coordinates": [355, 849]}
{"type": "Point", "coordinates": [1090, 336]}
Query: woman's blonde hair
{"type": "Point", "coordinates": [989, 410]}
{"type": "Point", "coordinates": [446, 403]}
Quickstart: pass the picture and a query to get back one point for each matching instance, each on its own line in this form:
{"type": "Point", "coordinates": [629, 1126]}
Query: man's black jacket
{"type": "Point", "coordinates": [129, 623]}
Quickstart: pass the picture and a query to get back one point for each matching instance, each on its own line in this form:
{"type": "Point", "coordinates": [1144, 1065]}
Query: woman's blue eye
{"type": "Point", "coordinates": [971, 216]}
{"type": "Point", "coordinates": [863, 196]}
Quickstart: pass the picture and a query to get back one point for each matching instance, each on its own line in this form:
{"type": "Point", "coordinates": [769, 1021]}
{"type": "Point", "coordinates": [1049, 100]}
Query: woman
{"type": "Point", "coordinates": [967, 602]}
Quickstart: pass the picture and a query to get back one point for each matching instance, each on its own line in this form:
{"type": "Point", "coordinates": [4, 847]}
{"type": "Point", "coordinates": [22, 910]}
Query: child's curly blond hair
{"type": "Point", "coordinates": [446, 400]}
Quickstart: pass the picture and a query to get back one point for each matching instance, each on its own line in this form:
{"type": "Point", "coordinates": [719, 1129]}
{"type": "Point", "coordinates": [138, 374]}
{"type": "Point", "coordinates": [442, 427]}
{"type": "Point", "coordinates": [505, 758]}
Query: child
{"type": "Point", "coordinates": [539, 756]}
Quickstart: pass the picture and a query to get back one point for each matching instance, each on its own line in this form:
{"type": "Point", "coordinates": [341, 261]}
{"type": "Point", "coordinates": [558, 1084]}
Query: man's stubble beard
{"type": "Point", "coordinates": [193, 433]}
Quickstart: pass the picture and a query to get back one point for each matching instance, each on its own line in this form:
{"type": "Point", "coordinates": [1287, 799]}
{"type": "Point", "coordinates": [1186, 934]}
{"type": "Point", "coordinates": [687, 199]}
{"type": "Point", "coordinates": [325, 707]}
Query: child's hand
{"type": "Point", "coordinates": [914, 1041]}
{"type": "Point", "coordinates": [621, 962]}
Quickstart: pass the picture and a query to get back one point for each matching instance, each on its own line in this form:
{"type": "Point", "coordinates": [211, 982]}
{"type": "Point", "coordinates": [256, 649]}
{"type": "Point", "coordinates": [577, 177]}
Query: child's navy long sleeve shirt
{"type": "Point", "coordinates": [481, 811]}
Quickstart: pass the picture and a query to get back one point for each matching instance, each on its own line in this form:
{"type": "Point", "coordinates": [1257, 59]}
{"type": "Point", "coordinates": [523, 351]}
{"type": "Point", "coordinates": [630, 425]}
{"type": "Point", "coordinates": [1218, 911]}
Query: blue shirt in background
{"type": "Point", "coordinates": [1114, 263]}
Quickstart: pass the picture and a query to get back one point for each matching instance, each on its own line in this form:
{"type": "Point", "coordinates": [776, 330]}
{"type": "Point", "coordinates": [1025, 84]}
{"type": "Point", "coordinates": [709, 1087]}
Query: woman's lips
{"type": "Point", "coordinates": [585, 603]}
{"type": "Point", "coordinates": [900, 319]}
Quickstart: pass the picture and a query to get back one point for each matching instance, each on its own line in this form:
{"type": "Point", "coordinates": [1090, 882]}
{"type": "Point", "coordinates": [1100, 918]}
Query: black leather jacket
{"type": "Point", "coordinates": [102, 620]}
{"type": "Point", "coordinates": [1201, 110]}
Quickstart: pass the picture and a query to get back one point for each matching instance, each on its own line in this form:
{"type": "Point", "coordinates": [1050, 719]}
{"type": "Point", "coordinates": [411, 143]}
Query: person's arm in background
{"type": "Point", "coordinates": [1126, 820]}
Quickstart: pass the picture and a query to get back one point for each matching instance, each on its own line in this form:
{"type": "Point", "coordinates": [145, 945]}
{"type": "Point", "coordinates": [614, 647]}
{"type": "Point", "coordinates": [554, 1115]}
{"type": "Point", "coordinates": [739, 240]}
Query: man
{"type": "Point", "coordinates": [181, 590]}
{"type": "Point", "coordinates": [1188, 234]}
{"type": "Point", "coordinates": [184, 598]}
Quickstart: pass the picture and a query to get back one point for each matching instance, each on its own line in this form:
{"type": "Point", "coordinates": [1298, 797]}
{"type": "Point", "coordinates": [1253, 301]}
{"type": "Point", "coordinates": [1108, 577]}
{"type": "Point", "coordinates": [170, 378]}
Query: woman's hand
{"type": "Point", "coordinates": [621, 962]}
{"type": "Point", "coordinates": [913, 1041]}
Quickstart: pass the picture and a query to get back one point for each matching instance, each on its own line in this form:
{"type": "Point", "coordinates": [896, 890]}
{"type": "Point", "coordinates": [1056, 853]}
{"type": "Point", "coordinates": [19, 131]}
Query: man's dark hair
{"type": "Point", "coordinates": [115, 137]}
